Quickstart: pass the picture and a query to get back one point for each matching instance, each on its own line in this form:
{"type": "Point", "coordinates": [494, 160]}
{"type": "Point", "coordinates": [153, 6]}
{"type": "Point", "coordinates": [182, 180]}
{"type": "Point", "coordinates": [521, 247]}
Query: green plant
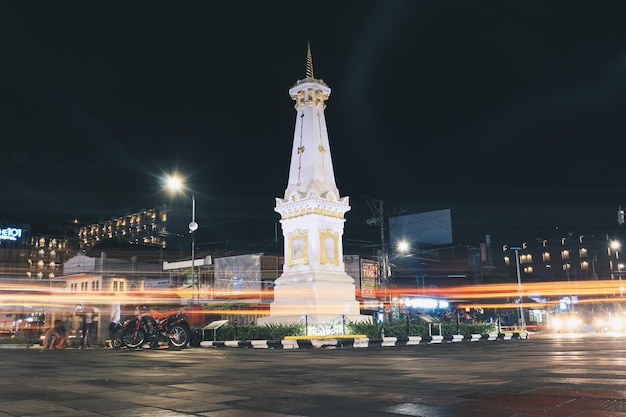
{"type": "Point", "coordinates": [397, 328]}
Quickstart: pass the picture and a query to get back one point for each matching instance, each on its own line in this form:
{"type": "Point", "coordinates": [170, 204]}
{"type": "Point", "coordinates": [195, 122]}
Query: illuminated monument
{"type": "Point", "coordinates": [314, 287]}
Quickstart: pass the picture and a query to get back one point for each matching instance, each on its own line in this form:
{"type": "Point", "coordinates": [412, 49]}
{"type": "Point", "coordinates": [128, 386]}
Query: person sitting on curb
{"type": "Point", "coordinates": [55, 337]}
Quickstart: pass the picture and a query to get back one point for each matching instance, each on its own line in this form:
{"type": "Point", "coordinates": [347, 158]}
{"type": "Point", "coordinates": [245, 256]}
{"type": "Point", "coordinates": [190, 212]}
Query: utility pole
{"type": "Point", "coordinates": [378, 219]}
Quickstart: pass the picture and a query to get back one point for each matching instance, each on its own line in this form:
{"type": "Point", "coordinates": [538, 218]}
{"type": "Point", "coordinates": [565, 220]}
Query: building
{"type": "Point", "coordinates": [569, 258]}
{"type": "Point", "coordinates": [161, 227]}
{"type": "Point", "coordinates": [33, 255]}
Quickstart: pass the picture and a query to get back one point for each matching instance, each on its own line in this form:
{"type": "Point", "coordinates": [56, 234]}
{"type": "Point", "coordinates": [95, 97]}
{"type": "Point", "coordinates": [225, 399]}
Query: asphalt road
{"type": "Point", "coordinates": [548, 375]}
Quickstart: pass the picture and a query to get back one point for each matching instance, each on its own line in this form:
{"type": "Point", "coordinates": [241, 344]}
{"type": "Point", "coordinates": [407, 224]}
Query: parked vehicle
{"type": "Point", "coordinates": [152, 327]}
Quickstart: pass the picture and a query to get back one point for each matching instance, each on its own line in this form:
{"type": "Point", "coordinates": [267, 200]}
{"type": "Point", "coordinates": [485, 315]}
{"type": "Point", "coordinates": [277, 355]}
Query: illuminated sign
{"type": "Point", "coordinates": [426, 302]}
{"type": "Point", "coordinates": [369, 278]}
{"type": "Point", "coordinates": [10, 233]}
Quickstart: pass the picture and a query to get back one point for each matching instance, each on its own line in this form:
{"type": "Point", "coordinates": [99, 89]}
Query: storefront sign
{"type": "Point", "coordinates": [10, 233]}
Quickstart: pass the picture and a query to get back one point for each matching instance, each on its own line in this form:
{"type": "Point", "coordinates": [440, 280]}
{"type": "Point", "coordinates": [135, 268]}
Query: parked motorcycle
{"type": "Point", "coordinates": [115, 334]}
{"type": "Point", "coordinates": [151, 327]}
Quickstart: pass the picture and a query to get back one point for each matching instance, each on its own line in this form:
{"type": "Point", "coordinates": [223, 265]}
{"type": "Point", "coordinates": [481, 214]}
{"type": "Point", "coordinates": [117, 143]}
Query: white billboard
{"type": "Point", "coordinates": [430, 228]}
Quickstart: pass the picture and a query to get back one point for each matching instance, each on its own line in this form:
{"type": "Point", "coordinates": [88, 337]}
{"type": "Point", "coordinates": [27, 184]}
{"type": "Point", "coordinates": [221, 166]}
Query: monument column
{"type": "Point", "coordinates": [314, 285]}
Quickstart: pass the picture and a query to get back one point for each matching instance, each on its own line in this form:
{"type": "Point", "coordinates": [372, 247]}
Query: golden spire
{"type": "Point", "coordinates": [309, 62]}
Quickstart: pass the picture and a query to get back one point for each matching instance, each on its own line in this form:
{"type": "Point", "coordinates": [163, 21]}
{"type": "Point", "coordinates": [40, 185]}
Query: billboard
{"type": "Point", "coordinates": [238, 273]}
{"type": "Point", "coordinates": [370, 274]}
{"type": "Point", "coordinates": [430, 228]}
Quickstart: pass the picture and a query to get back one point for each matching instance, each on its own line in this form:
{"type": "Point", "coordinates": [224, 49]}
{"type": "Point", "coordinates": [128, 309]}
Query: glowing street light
{"type": "Point", "coordinates": [176, 184]}
{"type": "Point", "coordinates": [403, 246]}
{"type": "Point", "coordinates": [616, 245]}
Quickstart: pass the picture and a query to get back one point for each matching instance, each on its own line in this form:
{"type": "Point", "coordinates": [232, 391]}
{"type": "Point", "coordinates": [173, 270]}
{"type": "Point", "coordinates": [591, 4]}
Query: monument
{"type": "Point", "coordinates": [314, 288]}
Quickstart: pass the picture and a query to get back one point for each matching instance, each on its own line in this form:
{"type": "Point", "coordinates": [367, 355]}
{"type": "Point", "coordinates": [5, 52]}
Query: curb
{"type": "Point", "coordinates": [363, 342]}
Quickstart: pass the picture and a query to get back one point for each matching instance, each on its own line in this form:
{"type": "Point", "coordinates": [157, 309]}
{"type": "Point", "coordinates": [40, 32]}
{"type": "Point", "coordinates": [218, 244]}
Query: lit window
{"type": "Point", "coordinates": [507, 260]}
{"type": "Point", "coordinates": [565, 254]}
{"type": "Point", "coordinates": [528, 269]}
{"type": "Point", "coordinates": [546, 256]}
{"type": "Point", "coordinates": [566, 267]}
{"type": "Point", "coordinates": [40, 264]}
{"type": "Point", "coordinates": [584, 266]}
{"type": "Point", "coordinates": [526, 259]}
{"type": "Point", "coordinates": [582, 252]}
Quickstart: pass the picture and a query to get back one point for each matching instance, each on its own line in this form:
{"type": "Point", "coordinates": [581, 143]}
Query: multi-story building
{"type": "Point", "coordinates": [569, 258]}
{"type": "Point", "coordinates": [163, 226]}
{"type": "Point", "coordinates": [36, 255]}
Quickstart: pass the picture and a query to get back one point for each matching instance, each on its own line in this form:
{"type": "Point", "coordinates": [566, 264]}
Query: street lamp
{"type": "Point", "coordinates": [175, 184]}
{"type": "Point", "coordinates": [615, 245]}
{"type": "Point", "coordinates": [519, 288]}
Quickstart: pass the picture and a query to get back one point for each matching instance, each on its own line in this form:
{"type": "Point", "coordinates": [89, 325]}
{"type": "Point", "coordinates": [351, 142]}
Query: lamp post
{"type": "Point", "coordinates": [615, 245]}
{"type": "Point", "coordinates": [519, 288]}
{"type": "Point", "coordinates": [193, 226]}
{"type": "Point", "coordinates": [174, 183]}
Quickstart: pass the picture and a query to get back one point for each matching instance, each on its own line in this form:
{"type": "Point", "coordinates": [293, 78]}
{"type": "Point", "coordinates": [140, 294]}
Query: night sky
{"type": "Point", "coordinates": [510, 113]}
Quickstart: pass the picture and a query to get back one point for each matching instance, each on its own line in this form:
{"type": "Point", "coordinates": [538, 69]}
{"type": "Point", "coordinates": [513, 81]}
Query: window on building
{"type": "Point", "coordinates": [566, 267]}
{"type": "Point", "coordinates": [507, 260]}
{"type": "Point", "coordinates": [121, 285]}
{"type": "Point", "coordinates": [528, 269]}
{"type": "Point", "coordinates": [584, 266]}
{"type": "Point", "coordinates": [526, 258]}
{"type": "Point", "coordinates": [114, 285]}
{"type": "Point", "coordinates": [582, 252]}
{"type": "Point", "coordinates": [565, 254]}
{"type": "Point", "coordinates": [546, 256]}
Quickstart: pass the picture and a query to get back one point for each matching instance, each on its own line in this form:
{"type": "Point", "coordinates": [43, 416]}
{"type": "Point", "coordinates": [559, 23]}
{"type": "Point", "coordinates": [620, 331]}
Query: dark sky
{"type": "Point", "coordinates": [511, 113]}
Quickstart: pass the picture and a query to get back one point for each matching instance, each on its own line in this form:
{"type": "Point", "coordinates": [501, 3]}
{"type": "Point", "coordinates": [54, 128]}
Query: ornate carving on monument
{"type": "Point", "coordinates": [329, 244]}
{"type": "Point", "coordinates": [298, 248]}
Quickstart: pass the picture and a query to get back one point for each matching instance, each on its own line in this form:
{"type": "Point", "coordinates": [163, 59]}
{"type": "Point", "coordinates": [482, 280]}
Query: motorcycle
{"type": "Point", "coordinates": [151, 327]}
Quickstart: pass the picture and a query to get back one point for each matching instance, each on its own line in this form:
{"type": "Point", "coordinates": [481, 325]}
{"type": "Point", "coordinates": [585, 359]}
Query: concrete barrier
{"type": "Point", "coordinates": [363, 342]}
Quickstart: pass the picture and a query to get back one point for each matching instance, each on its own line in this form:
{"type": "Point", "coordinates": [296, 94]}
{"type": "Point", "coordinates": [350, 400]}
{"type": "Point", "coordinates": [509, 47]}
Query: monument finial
{"type": "Point", "coordinates": [309, 62]}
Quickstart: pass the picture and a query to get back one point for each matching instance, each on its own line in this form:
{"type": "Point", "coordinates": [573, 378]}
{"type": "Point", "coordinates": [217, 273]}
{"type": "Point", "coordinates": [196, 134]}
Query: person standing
{"type": "Point", "coordinates": [87, 327]}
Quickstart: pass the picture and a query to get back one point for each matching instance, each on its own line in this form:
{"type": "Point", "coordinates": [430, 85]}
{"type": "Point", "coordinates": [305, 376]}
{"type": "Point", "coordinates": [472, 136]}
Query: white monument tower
{"type": "Point", "coordinates": [314, 287]}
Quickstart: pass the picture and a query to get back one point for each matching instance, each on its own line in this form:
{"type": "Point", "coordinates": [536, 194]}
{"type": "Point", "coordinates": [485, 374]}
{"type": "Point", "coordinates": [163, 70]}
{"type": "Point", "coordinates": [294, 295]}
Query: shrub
{"type": "Point", "coordinates": [398, 328]}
